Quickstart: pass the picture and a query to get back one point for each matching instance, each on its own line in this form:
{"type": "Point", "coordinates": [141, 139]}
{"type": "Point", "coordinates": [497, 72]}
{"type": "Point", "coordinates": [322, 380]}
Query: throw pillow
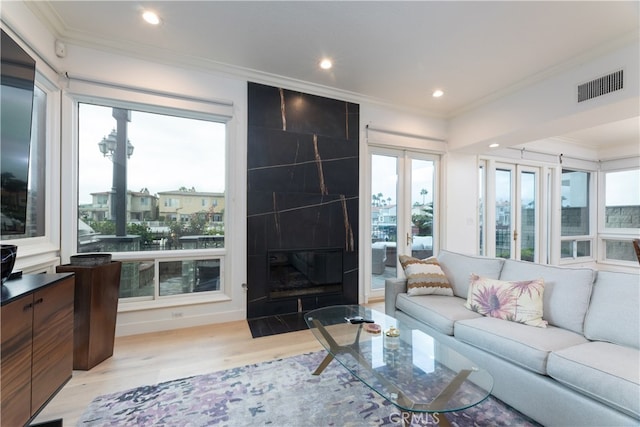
{"type": "Point", "coordinates": [425, 277]}
{"type": "Point", "coordinates": [516, 301]}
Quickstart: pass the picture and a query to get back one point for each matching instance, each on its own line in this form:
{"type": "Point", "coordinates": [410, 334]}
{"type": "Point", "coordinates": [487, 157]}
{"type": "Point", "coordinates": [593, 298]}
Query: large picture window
{"type": "Point", "coordinates": [152, 183]}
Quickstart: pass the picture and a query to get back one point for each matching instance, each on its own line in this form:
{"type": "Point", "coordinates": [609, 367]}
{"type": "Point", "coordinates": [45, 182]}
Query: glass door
{"type": "Point", "coordinates": [504, 211]}
{"type": "Point", "coordinates": [422, 214]}
{"type": "Point", "coordinates": [384, 217]}
{"type": "Point", "coordinates": [527, 242]}
{"type": "Point", "coordinates": [403, 192]}
{"type": "Point", "coordinates": [513, 216]}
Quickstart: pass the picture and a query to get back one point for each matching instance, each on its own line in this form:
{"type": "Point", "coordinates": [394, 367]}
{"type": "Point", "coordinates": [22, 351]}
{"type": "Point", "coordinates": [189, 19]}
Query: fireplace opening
{"type": "Point", "coordinates": [308, 272]}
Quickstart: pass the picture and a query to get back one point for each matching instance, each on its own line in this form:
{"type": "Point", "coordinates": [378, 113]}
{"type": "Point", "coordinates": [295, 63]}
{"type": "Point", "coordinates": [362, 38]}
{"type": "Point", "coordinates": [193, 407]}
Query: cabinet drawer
{"type": "Point", "coordinates": [15, 376]}
{"type": "Point", "coordinates": [52, 340]}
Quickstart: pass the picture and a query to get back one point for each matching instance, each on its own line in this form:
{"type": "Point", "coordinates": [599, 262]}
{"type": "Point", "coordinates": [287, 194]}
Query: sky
{"type": "Point", "coordinates": [622, 188]}
{"type": "Point", "coordinates": [384, 178]}
{"type": "Point", "coordinates": [169, 153]}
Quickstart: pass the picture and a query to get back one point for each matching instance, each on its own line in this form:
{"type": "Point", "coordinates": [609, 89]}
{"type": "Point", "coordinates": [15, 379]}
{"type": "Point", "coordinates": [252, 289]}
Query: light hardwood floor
{"type": "Point", "coordinates": [151, 358]}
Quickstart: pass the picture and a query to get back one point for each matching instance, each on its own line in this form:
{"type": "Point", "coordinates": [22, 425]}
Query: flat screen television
{"type": "Point", "coordinates": [17, 71]}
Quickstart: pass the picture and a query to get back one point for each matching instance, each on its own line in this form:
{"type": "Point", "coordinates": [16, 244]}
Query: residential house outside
{"type": "Point", "coordinates": [181, 205]}
{"type": "Point", "coordinates": [141, 206]}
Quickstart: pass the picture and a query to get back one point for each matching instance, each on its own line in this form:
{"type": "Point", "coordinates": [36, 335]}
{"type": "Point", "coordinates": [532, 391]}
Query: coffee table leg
{"type": "Point", "coordinates": [325, 362]}
{"type": "Point", "coordinates": [333, 347]}
{"type": "Point", "coordinates": [443, 421]}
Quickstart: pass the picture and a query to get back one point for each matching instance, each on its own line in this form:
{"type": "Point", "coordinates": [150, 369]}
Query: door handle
{"type": "Point", "coordinates": [515, 235]}
{"type": "Point", "coordinates": [409, 239]}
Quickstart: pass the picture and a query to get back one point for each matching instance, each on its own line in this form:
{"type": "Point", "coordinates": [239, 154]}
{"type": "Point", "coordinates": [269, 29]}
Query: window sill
{"type": "Point", "coordinates": [168, 302]}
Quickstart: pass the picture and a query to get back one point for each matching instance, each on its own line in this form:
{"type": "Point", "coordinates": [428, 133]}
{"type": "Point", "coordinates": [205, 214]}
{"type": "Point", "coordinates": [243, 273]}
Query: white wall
{"type": "Point", "coordinates": [459, 214]}
{"type": "Point", "coordinates": [549, 108]}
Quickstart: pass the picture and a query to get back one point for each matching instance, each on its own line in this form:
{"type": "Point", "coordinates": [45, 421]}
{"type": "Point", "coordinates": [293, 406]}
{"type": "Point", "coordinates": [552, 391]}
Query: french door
{"type": "Point", "coordinates": [510, 211]}
{"type": "Point", "coordinates": [403, 210]}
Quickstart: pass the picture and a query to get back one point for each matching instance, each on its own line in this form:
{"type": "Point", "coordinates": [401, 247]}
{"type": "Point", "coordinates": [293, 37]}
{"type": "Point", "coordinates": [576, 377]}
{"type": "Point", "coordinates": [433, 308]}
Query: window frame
{"type": "Point", "coordinates": [591, 237]}
{"type": "Point", "coordinates": [404, 156]}
{"type": "Point", "coordinates": [486, 203]}
{"type": "Point", "coordinates": [38, 254]}
{"type": "Point", "coordinates": [613, 234]}
{"type": "Point", "coordinates": [82, 91]}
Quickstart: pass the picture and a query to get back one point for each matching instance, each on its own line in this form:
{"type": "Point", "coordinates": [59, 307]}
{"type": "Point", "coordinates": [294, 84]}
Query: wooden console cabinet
{"type": "Point", "coordinates": [36, 343]}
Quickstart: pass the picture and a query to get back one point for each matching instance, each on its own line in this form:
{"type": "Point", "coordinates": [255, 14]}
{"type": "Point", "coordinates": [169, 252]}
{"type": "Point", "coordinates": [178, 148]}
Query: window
{"type": "Point", "coordinates": [36, 190]}
{"type": "Point", "coordinates": [576, 239]}
{"type": "Point", "coordinates": [621, 217]}
{"type": "Point", "coordinates": [143, 179]}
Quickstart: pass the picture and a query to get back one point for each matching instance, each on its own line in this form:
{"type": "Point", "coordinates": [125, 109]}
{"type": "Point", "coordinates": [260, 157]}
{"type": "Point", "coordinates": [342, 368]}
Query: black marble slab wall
{"type": "Point", "coordinates": [302, 189]}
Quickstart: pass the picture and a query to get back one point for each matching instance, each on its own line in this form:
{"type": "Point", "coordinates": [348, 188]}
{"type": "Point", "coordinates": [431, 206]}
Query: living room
{"type": "Point", "coordinates": [528, 118]}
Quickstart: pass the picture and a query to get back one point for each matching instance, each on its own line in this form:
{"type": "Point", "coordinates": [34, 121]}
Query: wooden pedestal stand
{"type": "Point", "coordinates": [95, 310]}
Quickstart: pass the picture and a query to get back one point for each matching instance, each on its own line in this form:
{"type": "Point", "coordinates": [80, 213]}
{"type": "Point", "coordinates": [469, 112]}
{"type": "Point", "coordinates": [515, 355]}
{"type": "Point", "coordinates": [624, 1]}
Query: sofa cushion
{"type": "Point", "coordinates": [458, 269]}
{"type": "Point", "coordinates": [516, 301]}
{"type": "Point", "coordinates": [614, 311]}
{"type": "Point", "coordinates": [606, 372]}
{"type": "Point", "coordinates": [438, 311]}
{"type": "Point", "coordinates": [425, 277]}
{"type": "Point", "coordinates": [566, 293]}
{"type": "Point", "coordinates": [520, 344]}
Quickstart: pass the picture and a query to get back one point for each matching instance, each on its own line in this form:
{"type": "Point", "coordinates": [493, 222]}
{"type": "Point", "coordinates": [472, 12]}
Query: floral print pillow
{"type": "Point", "coordinates": [517, 301]}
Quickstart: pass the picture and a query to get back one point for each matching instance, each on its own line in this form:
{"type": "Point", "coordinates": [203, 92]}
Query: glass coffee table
{"type": "Point", "coordinates": [420, 376]}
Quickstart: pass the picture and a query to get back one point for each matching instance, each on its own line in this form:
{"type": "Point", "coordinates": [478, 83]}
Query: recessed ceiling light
{"type": "Point", "coordinates": [437, 93]}
{"type": "Point", "coordinates": [151, 17]}
{"type": "Point", "coordinates": [494, 145]}
{"type": "Point", "coordinates": [326, 64]}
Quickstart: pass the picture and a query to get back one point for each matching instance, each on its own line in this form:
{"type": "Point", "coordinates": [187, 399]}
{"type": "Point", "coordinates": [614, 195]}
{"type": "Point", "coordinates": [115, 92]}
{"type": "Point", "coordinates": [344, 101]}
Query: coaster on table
{"type": "Point", "coordinates": [372, 328]}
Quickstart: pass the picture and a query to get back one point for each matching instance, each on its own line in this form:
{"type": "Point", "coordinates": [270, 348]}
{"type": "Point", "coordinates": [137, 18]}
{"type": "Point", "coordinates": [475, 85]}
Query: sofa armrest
{"type": "Point", "coordinates": [393, 287]}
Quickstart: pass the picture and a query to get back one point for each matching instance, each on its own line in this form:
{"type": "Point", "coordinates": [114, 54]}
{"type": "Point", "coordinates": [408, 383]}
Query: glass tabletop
{"type": "Point", "coordinates": [404, 365]}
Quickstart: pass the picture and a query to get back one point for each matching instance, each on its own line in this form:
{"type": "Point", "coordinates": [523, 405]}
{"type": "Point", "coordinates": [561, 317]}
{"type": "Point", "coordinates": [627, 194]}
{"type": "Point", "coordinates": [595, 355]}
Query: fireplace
{"type": "Point", "coordinates": [297, 273]}
{"type": "Point", "coordinates": [302, 203]}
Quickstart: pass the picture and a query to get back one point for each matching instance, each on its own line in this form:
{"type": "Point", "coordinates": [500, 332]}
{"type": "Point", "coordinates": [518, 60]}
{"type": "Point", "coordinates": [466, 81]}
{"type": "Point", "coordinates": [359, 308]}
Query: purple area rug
{"type": "Point", "coordinates": [278, 393]}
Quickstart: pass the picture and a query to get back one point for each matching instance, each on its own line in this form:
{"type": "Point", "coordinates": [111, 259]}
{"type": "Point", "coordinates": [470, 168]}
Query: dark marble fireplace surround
{"type": "Point", "coordinates": [302, 196]}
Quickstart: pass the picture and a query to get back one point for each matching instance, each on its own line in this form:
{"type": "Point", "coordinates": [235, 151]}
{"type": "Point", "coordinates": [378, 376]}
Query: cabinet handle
{"type": "Point", "coordinates": [27, 307]}
{"type": "Point", "coordinates": [38, 301]}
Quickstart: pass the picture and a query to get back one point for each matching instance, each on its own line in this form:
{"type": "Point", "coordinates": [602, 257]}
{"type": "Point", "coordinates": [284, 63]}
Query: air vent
{"type": "Point", "coordinates": [600, 86]}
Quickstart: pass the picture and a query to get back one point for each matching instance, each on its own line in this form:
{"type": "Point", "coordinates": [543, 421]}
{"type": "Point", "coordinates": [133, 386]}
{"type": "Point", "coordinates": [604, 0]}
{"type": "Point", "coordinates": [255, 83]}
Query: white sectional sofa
{"type": "Point", "coordinates": [582, 369]}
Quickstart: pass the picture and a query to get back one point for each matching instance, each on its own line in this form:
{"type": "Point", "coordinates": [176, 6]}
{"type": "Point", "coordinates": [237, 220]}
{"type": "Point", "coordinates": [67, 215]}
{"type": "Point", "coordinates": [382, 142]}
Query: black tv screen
{"type": "Point", "coordinates": [17, 70]}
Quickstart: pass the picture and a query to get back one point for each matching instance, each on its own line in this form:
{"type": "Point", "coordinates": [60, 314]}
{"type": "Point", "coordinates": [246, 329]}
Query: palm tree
{"type": "Point", "coordinates": [423, 193]}
{"type": "Point", "coordinates": [424, 220]}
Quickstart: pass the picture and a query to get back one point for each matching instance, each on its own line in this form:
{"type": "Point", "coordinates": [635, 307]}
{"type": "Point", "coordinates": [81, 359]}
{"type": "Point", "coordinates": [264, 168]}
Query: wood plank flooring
{"type": "Point", "coordinates": [151, 358]}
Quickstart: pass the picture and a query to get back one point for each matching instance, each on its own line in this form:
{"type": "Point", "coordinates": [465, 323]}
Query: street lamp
{"type": "Point", "coordinates": [109, 143]}
{"type": "Point", "coordinates": [118, 151]}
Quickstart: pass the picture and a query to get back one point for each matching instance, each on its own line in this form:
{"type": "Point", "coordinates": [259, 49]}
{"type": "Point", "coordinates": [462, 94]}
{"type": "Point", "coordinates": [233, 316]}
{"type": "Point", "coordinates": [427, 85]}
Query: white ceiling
{"type": "Point", "coordinates": [393, 52]}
